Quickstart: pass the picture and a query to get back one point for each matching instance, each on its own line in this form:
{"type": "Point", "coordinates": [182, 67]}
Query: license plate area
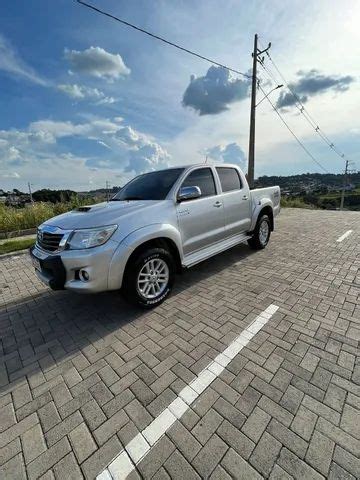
{"type": "Point", "coordinates": [36, 263]}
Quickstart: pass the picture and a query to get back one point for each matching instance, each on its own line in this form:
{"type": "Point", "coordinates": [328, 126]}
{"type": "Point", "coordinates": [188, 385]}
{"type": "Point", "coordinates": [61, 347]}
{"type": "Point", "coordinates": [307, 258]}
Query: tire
{"type": "Point", "coordinates": [259, 240]}
{"type": "Point", "coordinates": [138, 278]}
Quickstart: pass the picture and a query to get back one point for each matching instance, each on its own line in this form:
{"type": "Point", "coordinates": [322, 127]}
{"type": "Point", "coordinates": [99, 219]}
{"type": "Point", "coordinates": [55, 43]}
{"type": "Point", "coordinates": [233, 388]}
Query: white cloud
{"type": "Point", "coordinates": [214, 92]}
{"type": "Point", "coordinates": [97, 62]}
{"type": "Point", "coordinates": [148, 157]}
{"type": "Point", "coordinates": [230, 153]}
{"type": "Point", "coordinates": [13, 64]}
{"type": "Point", "coordinates": [40, 148]}
{"type": "Point", "coordinates": [7, 174]}
{"type": "Point", "coordinates": [81, 92]}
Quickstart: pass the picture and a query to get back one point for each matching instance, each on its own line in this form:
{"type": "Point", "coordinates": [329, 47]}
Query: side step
{"type": "Point", "coordinates": [208, 252]}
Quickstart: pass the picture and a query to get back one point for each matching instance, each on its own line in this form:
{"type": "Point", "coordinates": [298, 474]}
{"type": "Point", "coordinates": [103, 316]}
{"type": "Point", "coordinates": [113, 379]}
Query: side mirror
{"type": "Point", "coordinates": [188, 193]}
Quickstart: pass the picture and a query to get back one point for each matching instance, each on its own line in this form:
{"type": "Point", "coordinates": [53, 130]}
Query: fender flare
{"type": "Point", "coordinates": [132, 241]}
{"type": "Point", "coordinates": [257, 210]}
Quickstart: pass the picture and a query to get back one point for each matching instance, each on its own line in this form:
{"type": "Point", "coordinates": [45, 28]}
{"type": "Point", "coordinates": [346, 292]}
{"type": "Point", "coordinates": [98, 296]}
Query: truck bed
{"type": "Point", "coordinates": [258, 195]}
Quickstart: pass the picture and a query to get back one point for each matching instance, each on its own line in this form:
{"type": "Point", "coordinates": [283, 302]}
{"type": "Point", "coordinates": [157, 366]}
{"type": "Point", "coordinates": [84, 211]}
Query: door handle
{"type": "Point", "coordinates": [245, 197]}
{"type": "Point", "coordinates": [217, 204]}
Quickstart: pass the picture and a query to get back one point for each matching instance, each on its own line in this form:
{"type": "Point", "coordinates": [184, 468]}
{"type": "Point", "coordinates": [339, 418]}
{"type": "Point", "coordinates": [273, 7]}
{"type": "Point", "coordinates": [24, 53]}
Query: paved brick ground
{"type": "Point", "coordinates": [80, 376]}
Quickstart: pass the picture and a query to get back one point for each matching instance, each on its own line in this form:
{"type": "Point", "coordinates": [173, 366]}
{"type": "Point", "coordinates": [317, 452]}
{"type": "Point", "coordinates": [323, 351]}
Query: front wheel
{"type": "Point", "coordinates": [261, 234]}
{"type": "Point", "coordinates": [149, 278]}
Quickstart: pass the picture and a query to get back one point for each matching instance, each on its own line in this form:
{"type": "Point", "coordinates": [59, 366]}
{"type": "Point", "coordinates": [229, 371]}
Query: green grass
{"type": "Point", "coordinates": [31, 216]}
{"type": "Point", "coordinates": [295, 203]}
{"type": "Point", "coordinates": [15, 245]}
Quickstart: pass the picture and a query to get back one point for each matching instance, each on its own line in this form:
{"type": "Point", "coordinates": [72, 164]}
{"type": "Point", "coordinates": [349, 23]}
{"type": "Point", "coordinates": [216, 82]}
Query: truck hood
{"type": "Point", "coordinates": [101, 214]}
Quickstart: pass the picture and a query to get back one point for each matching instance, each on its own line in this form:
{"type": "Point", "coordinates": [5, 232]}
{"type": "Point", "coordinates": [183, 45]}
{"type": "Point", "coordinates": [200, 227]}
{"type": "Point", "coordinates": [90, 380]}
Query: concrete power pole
{"type": "Point", "coordinates": [107, 190]}
{"type": "Point", "coordinates": [251, 159]}
{"type": "Point", "coordinates": [251, 156]}
{"type": "Point", "coordinates": [348, 171]}
{"type": "Point", "coordinates": [30, 193]}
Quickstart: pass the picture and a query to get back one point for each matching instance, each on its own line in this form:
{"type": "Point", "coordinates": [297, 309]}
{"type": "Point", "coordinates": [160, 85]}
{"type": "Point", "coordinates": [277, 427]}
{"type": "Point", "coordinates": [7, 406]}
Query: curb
{"type": "Point", "coordinates": [13, 254]}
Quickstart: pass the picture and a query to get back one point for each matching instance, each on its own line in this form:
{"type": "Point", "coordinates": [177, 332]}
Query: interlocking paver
{"type": "Point", "coordinates": [304, 423]}
{"type": "Point", "coordinates": [101, 458]}
{"type": "Point", "coordinates": [81, 377]}
{"type": "Point", "coordinates": [337, 473]}
{"type": "Point", "coordinates": [265, 454]}
{"type": "Point", "coordinates": [33, 443]}
{"type": "Point", "coordinates": [206, 427]}
{"type": "Point", "coordinates": [49, 416]}
{"type": "Point", "coordinates": [156, 457]}
{"type": "Point", "coordinates": [238, 441]}
{"type": "Point", "coordinates": [209, 456]}
{"type": "Point", "coordinates": [10, 450]}
{"type": "Point", "coordinates": [256, 424]}
{"type": "Point", "coordinates": [14, 468]}
{"type": "Point", "coordinates": [184, 441]}
{"type": "Point", "coordinates": [17, 429]}
{"type": "Point", "coordinates": [48, 459]}
{"type": "Point", "coordinates": [350, 421]}
{"type": "Point", "coordinates": [320, 452]}
{"type": "Point", "coordinates": [238, 467]}
{"type": "Point", "coordinates": [111, 426]}
{"type": "Point", "coordinates": [179, 468]}
{"type": "Point", "coordinates": [291, 440]}
{"type": "Point", "coordinates": [82, 442]}
{"type": "Point", "coordinates": [63, 428]}
{"type": "Point", "coordinates": [296, 467]}
{"type": "Point", "coordinates": [348, 461]}
{"type": "Point", "coordinates": [68, 468]}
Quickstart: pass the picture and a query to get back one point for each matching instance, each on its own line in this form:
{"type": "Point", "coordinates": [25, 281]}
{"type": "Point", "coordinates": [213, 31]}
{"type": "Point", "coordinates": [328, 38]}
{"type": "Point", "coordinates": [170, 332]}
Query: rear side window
{"type": "Point", "coordinates": [229, 179]}
{"type": "Point", "coordinates": [202, 178]}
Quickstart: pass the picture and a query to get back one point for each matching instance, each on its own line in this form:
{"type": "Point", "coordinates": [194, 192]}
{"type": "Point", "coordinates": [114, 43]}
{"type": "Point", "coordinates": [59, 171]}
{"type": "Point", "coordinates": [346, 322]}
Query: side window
{"type": "Point", "coordinates": [202, 178]}
{"type": "Point", "coordinates": [229, 179]}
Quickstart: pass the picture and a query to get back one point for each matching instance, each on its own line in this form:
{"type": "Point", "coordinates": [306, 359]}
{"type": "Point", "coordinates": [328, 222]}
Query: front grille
{"type": "Point", "coordinates": [49, 241]}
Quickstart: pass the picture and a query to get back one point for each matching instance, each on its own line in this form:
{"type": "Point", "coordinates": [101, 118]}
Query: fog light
{"type": "Point", "coordinates": [84, 276]}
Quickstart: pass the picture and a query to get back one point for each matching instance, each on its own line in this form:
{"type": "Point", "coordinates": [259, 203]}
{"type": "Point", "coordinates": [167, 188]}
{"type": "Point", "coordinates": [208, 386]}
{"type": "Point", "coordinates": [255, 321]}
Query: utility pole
{"type": "Point", "coordinates": [348, 171]}
{"type": "Point", "coordinates": [30, 193]}
{"type": "Point", "coordinates": [251, 156]}
{"type": "Point", "coordinates": [107, 190]}
{"type": "Point", "coordinates": [344, 185]}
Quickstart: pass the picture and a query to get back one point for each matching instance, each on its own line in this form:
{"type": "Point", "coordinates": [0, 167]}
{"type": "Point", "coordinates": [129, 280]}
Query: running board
{"type": "Point", "coordinates": [204, 254]}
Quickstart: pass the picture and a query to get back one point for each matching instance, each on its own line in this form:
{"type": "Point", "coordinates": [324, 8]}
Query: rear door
{"type": "Point", "coordinates": [201, 220]}
{"type": "Point", "coordinates": [236, 200]}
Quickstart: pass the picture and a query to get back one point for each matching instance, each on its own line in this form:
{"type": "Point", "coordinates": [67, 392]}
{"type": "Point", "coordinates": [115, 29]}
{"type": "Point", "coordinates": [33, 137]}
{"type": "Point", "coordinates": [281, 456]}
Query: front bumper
{"type": "Point", "coordinates": [52, 271]}
{"type": "Point", "coordinates": [61, 270]}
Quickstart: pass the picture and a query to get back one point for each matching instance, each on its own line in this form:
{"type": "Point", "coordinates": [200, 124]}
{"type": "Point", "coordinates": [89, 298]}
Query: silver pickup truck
{"type": "Point", "coordinates": [157, 224]}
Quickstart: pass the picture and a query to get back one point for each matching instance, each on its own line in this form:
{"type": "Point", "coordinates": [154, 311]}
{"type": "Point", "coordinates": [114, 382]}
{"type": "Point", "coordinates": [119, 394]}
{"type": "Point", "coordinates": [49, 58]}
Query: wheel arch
{"type": "Point", "coordinates": [266, 210]}
{"type": "Point", "coordinates": [163, 235]}
{"type": "Point", "coordinates": [157, 242]}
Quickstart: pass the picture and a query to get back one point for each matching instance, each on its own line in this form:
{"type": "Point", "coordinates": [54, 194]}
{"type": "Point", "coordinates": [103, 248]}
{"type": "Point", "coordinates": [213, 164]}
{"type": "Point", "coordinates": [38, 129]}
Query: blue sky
{"type": "Point", "coordinates": [85, 100]}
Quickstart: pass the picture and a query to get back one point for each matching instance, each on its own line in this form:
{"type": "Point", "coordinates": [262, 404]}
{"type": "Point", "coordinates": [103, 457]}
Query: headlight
{"type": "Point", "coordinates": [90, 237]}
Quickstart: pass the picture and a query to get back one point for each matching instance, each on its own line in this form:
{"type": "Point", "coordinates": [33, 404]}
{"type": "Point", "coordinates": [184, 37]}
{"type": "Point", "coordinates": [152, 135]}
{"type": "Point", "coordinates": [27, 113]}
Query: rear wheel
{"type": "Point", "coordinates": [149, 278]}
{"type": "Point", "coordinates": [261, 233]}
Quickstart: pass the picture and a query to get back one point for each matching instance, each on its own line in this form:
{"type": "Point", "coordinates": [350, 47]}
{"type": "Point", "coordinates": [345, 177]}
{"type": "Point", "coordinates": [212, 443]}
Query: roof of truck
{"type": "Point", "coordinates": [212, 164]}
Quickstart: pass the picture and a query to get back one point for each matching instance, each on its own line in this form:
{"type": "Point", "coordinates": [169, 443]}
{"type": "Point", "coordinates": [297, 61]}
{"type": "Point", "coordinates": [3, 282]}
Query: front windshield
{"type": "Point", "coordinates": [150, 186]}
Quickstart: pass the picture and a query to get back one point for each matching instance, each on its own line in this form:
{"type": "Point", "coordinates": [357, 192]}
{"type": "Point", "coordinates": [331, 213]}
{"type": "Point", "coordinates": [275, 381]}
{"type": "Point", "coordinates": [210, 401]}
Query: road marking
{"type": "Point", "coordinates": [125, 462]}
{"type": "Point", "coordinates": [346, 234]}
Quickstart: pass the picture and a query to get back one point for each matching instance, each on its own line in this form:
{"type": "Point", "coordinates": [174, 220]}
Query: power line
{"type": "Point", "coordinates": [292, 133]}
{"type": "Point", "coordinates": [162, 39]}
{"type": "Point", "coordinates": [179, 47]}
{"type": "Point", "coordinates": [301, 107]}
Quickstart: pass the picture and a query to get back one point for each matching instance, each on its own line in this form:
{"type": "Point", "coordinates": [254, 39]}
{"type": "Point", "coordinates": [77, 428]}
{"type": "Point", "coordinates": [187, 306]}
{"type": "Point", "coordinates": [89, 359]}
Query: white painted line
{"type": "Point", "coordinates": [346, 234]}
{"type": "Point", "coordinates": [105, 475]}
{"type": "Point", "coordinates": [139, 447]}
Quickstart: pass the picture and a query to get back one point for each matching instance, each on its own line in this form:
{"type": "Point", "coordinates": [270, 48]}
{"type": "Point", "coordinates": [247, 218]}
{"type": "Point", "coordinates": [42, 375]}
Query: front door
{"type": "Point", "coordinates": [201, 220]}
